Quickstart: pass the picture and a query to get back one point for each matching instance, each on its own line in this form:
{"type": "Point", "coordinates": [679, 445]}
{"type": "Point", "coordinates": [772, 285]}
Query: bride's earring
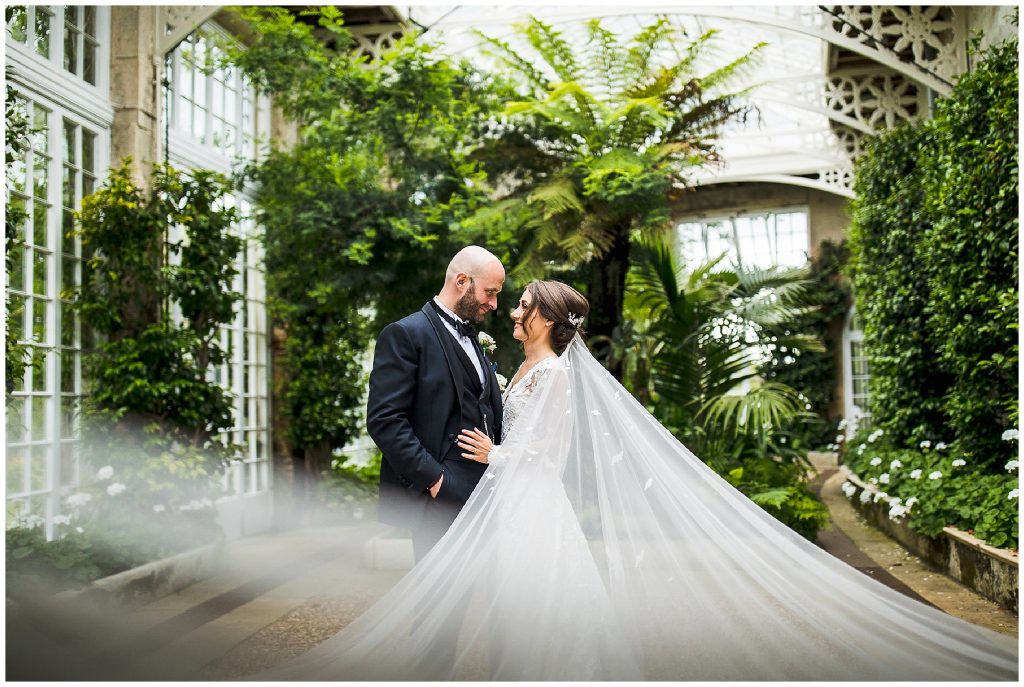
{"type": "Point", "coordinates": [550, 323]}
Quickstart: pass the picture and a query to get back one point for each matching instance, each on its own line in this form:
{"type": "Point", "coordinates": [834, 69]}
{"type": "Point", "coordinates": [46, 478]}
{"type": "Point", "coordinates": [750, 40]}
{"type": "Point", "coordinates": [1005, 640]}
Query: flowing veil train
{"type": "Point", "coordinates": [597, 547]}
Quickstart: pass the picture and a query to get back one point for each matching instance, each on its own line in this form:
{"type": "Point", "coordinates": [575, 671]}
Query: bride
{"type": "Point", "coordinates": [597, 547]}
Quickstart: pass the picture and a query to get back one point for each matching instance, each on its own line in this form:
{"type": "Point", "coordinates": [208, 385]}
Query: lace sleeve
{"type": "Point", "coordinates": [545, 385]}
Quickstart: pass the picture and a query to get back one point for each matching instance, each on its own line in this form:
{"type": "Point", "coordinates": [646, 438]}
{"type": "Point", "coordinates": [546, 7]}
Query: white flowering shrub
{"type": "Point", "coordinates": [931, 487]}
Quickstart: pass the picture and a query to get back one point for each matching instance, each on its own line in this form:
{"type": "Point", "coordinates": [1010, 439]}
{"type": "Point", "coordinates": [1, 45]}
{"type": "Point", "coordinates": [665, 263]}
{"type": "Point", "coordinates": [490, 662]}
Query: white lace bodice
{"type": "Point", "coordinates": [516, 395]}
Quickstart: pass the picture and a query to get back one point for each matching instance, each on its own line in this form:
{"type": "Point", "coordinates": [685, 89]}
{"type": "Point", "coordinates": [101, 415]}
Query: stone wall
{"type": "Point", "coordinates": [989, 571]}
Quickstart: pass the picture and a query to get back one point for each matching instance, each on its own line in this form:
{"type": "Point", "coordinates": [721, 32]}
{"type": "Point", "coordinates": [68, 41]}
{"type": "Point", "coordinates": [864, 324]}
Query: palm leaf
{"type": "Point", "coordinates": [768, 405]}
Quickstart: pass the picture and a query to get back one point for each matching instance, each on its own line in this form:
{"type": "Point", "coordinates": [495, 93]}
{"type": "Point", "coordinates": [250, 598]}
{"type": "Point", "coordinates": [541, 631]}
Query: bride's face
{"type": "Point", "coordinates": [524, 330]}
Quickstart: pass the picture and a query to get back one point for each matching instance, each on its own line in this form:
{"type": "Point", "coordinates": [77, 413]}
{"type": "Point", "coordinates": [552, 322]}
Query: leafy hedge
{"type": "Point", "coordinates": [935, 268]}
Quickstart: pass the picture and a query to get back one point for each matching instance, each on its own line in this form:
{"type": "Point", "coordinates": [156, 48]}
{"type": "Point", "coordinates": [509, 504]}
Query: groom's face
{"type": "Point", "coordinates": [480, 295]}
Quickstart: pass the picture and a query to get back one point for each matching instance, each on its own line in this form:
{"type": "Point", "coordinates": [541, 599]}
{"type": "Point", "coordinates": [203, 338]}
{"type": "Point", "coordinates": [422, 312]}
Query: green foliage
{"type": "Point", "coordinates": [694, 351]}
{"type": "Point", "coordinates": [36, 566]}
{"type": "Point", "coordinates": [814, 372]}
{"type": "Point", "coordinates": [935, 268]}
{"type": "Point", "coordinates": [153, 414]}
{"type": "Point", "coordinates": [780, 489]}
{"type": "Point", "coordinates": [151, 368]}
{"type": "Point", "coordinates": [375, 189]}
{"type": "Point", "coordinates": [970, 252]}
{"type": "Point", "coordinates": [593, 142]}
{"type": "Point", "coordinates": [15, 141]}
{"type": "Point", "coordinates": [967, 496]}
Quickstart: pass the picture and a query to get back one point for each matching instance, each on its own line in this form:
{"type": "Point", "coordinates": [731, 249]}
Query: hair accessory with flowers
{"type": "Point", "coordinates": [575, 320]}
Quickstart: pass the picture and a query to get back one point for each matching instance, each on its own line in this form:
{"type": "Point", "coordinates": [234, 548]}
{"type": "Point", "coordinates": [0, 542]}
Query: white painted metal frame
{"type": "Point", "coordinates": [66, 97]}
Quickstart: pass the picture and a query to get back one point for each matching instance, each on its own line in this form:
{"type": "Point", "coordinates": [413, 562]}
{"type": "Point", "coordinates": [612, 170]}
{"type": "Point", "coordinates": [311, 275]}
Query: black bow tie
{"type": "Point", "coordinates": [463, 328]}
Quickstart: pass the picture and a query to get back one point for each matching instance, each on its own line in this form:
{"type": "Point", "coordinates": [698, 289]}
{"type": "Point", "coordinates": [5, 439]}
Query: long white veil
{"type": "Point", "coordinates": [598, 547]}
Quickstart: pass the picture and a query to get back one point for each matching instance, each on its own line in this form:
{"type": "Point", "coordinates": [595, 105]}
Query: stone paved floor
{"type": "Point", "coordinates": [281, 594]}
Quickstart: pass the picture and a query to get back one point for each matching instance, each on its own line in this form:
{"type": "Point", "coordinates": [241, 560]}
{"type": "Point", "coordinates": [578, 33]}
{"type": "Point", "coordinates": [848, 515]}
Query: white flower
{"type": "Point", "coordinates": [873, 480]}
{"type": "Point", "coordinates": [840, 438]}
{"type": "Point", "coordinates": [860, 450]}
{"type": "Point", "coordinates": [486, 342]}
{"type": "Point", "coordinates": [1012, 465]}
{"type": "Point", "coordinates": [874, 435]}
{"type": "Point", "coordinates": [876, 461]}
{"type": "Point", "coordinates": [897, 463]}
{"type": "Point", "coordinates": [865, 496]}
{"type": "Point", "coordinates": [941, 446]}
{"type": "Point", "coordinates": [842, 424]}
{"type": "Point", "coordinates": [925, 444]}
{"type": "Point", "coordinates": [115, 488]}
{"type": "Point", "coordinates": [29, 521]}
{"type": "Point", "coordinates": [77, 500]}
{"type": "Point", "coordinates": [934, 475]}
{"type": "Point", "coordinates": [959, 462]}
{"type": "Point", "coordinates": [158, 508]}
{"type": "Point", "coordinates": [911, 501]}
{"type": "Point", "coordinates": [884, 478]}
{"type": "Point", "coordinates": [915, 474]}
{"type": "Point", "coordinates": [1013, 494]}
{"type": "Point", "coordinates": [61, 519]}
{"type": "Point", "coordinates": [502, 381]}
{"type": "Point", "coordinates": [880, 495]}
{"type": "Point", "coordinates": [897, 511]}
{"type": "Point", "coordinates": [105, 472]}
{"type": "Point", "coordinates": [1010, 435]}
{"type": "Point", "coordinates": [79, 530]}
{"type": "Point", "coordinates": [849, 489]}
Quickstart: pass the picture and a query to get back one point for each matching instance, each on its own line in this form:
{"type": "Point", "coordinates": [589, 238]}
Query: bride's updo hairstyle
{"type": "Point", "coordinates": [563, 305]}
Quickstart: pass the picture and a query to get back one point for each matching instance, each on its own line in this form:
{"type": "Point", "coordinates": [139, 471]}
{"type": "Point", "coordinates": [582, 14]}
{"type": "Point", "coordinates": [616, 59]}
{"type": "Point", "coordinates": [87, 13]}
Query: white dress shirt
{"type": "Point", "coordinates": [464, 341]}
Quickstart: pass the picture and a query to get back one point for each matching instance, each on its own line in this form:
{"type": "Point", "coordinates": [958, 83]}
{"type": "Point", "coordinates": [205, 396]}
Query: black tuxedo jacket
{"type": "Point", "coordinates": [414, 414]}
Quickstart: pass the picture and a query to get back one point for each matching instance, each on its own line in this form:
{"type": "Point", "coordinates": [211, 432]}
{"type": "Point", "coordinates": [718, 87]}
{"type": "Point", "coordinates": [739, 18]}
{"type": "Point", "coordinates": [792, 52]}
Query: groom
{"type": "Point", "coordinates": [430, 380]}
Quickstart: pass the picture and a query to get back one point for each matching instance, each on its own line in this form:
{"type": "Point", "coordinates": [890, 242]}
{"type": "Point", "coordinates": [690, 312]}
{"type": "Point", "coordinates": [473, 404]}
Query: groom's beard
{"type": "Point", "coordinates": [469, 308]}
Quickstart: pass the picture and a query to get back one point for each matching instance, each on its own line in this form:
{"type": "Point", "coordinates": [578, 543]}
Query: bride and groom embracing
{"type": "Point", "coordinates": [562, 533]}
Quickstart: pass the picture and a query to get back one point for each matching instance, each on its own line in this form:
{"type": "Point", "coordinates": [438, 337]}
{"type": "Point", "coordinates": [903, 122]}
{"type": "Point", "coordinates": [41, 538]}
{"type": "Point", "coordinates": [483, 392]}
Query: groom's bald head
{"type": "Point", "coordinates": [473, 261]}
{"type": "Point", "coordinates": [472, 282]}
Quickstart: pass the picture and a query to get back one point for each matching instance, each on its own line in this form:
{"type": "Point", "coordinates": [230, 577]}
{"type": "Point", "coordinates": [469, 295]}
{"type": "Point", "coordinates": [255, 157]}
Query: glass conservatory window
{"type": "Point", "coordinates": [857, 374]}
{"type": "Point", "coordinates": [762, 239]}
{"type": "Point", "coordinates": [67, 35]}
{"type": "Point", "coordinates": [48, 180]}
{"type": "Point", "coordinates": [214, 106]}
{"type": "Point", "coordinates": [244, 373]}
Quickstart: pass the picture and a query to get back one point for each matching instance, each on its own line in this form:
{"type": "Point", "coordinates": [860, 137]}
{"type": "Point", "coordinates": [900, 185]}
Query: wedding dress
{"type": "Point", "coordinates": [597, 547]}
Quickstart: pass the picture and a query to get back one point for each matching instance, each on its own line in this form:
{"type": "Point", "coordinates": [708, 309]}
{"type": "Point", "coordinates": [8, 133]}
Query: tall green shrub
{"type": "Point", "coordinates": [153, 414]}
{"type": "Point", "coordinates": [935, 268]}
{"type": "Point", "coordinates": [891, 288]}
{"type": "Point", "coordinates": [970, 169]}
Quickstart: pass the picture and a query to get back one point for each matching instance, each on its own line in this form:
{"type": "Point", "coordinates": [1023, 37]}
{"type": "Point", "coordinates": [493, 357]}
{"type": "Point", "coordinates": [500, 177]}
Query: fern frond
{"type": "Point", "coordinates": [645, 45]}
{"type": "Point", "coordinates": [606, 57]}
{"type": "Point", "coordinates": [552, 48]}
{"type": "Point", "coordinates": [507, 55]}
{"type": "Point", "coordinates": [556, 197]}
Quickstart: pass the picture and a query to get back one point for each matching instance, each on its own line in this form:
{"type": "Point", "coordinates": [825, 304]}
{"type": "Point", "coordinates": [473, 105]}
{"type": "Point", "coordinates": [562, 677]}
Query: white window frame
{"type": "Point", "coordinates": [736, 252]}
{"type": "Point", "coordinates": [857, 417]}
{"type": "Point", "coordinates": [53, 492]}
{"type": "Point", "coordinates": [183, 146]}
{"type": "Point", "coordinates": [43, 76]}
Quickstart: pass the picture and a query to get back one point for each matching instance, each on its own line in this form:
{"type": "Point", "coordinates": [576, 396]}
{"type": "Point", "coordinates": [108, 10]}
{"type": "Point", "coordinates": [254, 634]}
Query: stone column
{"type": "Point", "coordinates": [135, 90]}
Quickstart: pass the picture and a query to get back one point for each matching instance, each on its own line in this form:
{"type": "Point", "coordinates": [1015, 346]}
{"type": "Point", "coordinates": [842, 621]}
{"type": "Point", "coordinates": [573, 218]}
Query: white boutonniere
{"type": "Point", "coordinates": [486, 342]}
{"type": "Point", "coordinates": [502, 381]}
